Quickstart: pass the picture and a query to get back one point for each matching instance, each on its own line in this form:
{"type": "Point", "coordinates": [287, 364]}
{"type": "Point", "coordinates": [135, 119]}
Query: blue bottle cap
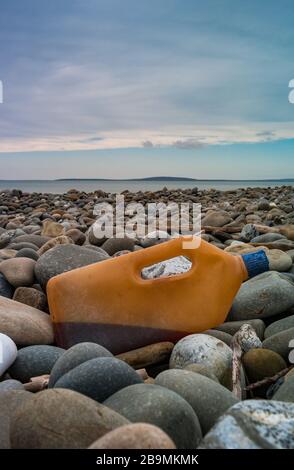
{"type": "Point", "coordinates": [256, 263]}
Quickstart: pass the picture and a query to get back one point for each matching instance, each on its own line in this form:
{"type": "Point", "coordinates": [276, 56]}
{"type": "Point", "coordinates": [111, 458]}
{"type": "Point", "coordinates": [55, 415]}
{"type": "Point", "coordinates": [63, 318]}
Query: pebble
{"type": "Point", "coordinates": [205, 350]}
{"type": "Point", "coordinates": [263, 296]}
{"type": "Point", "coordinates": [37, 240]}
{"type": "Point", "coordinates": [75, 356]}
{"type": "Point", "coordinates": [22, 245]}
{"type": "Point", "coordinates": [8, 353]}
{"type": "Point", "coordinates": [162, 407]}
{"type": "Point", "coordinates": [34, 361]}
{"type": "Point", "coordinates": [6, 289]}
{"type": "Point", "coordinates": [202, 370]}
{"type": "Point", "coordinates": [10, 384]}
{"type": "Point", "coordinates": [216, 219]}
{"type": "Point", "coordinates": [113, 245]}
{"type": "Point", "coordinates": [261, 363]}
{"type": "Point", "coordinates": [97, 241]}
{"type": "Point", "coordinates": [279, 260]}
{"type": "Point", "coordinates": [279, 326]}
{"type": "Point", "coordinates": [61, 240]}
{"type": "Point", "coordinates": [248, 232]}
{"type": "Point", "coordinates": [63, 258]}
{"type": "Point", "coordinates": [221, 335]}
{"type": "Point", "coordinates": [18, 271]}
{"type": "Point", "coordinates": [231, 327]}
{"type": "Point", "coordinates": [7, 253]}
{"type": "Point", "coordinates": [10, 402]}
{"type": "Point", "coordinates": [253, 424]}
{"type": "Point", "coordinates": [27, 253]}
{"type": "Point", "coordinates": [61, 419]}
{"type": "Point", "coordinates": [286, 391]}
{"type": "Point", "coordinates": [99, 378]}
{"type": "Point", "coordinates": [208, 399]}
{"type": "Point", "coordinates": [280, 342]}
{"type": "Point", "coordinates": [76, 235]}
{"type": "Point", "coordinates": [31, 296]}
{"type": "Point", "coordinates": [25, 325]}
{"type": "Point", "coordinates": [52, 229]}
{"type": "Point", "coordinates": [135, 436]}
{"type": "Point", "coordinates": [268, 238]}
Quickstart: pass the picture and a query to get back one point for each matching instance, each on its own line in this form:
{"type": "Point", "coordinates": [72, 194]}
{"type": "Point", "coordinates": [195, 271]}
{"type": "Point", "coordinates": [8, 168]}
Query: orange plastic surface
{"type": "Point", "coordinates": [109, 302]}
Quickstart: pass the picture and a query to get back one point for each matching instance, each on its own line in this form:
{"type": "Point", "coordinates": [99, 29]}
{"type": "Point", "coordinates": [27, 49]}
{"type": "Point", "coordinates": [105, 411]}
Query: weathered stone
{"type": "Point", "coordinates": [231, 327]}
{"type": "Point", "coordinates": [61, 419]}
{"type": "Point", "coordinates": [10, 402]}
{"type": "Point", "coordinates": [253, 424]}
{"type": "Point", "coordinates": [31, 296]}
{"type": "Point", "coordinates": [205, 350]}
{"type": "Point", "coordinates": [52, 229]}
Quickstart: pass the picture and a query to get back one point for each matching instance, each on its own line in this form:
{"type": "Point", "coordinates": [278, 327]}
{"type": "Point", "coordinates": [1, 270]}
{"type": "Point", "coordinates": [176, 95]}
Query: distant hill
{"type": "Point", "coordinates": [174, 178]}
{"type": "Point", "coordinates": [151, 178]}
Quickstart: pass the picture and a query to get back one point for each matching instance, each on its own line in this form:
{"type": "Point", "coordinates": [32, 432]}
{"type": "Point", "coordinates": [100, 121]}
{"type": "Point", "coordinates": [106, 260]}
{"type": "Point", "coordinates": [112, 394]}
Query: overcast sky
{"type": "Point", "coordinates": [126, 88]}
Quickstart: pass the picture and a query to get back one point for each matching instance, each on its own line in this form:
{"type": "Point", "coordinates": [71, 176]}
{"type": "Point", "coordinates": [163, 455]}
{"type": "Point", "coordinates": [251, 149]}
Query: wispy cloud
{"type": "Point", "coordinates": [97, 76]}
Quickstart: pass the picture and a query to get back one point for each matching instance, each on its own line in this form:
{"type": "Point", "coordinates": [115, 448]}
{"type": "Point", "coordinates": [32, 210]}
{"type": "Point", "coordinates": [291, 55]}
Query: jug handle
{"type": "Point", "coordinates": [167, 250]}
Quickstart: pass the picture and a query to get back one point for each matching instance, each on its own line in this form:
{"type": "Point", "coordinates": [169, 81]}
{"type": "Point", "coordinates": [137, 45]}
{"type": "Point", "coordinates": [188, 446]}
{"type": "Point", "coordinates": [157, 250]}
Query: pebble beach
{"type": "Point", "coordinates": [167, 395]}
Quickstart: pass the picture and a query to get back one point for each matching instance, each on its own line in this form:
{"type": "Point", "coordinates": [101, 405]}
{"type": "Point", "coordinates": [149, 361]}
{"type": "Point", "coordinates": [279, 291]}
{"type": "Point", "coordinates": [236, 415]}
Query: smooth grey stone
{"type": "Point", "coordinates": [63, 258]}
{"type": "Point", "coordinates": [21, 245]}
{"type": "Point", "coordinates": [268, 238]}
{"type": "Point", "coordinates": [263, 296]}
{"type": "Point", "coordinates": [27, 253]}
{"type": "Point", "coordinates": [280, 342]}
{"type": "Point", "coordinates": [278, 326]}
{"type": "Point", "coordinates": [253, 424]}
{"type": "Point", "coordinates": [162, 407]}
{"type": "Point", "coordinates": [61, 419]}
{"type": "Point", "coordinates": [73, 357]}
{"type": "Point", "coordinates": [6, 289]}
{"type": "Point", "coordinates": [98, 249]}
{"type": "Point", "coordinates": [286, 391]}
{"type": "Point", "coordinates": [33, 361]}
{"type": "Point", "coordinates": [99, 378]}
{"type": "Point", "coordinates": [113, 245]}
{"type": "Point", "coordinates": [38, 240]}
{"type": "Point", "coordinates": [208, 398]}
{"type": "Point", "coordinates": [11, 384]}
{"type": "Point", "coordinates": [231, 327]}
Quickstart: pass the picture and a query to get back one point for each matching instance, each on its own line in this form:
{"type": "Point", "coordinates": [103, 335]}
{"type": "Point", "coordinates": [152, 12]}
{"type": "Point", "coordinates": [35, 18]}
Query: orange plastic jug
{"type": "Point", "coordinates": [111, 304]}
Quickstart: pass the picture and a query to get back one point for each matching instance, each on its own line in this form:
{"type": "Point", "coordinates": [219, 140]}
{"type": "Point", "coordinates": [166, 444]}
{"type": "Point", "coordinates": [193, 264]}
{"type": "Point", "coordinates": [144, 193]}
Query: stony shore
{"type": "Point", "coordinates": [187, 389]}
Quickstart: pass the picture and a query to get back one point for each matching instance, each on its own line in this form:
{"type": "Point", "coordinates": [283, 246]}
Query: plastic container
{"type": "Point", "coordinates": [109, 303]}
